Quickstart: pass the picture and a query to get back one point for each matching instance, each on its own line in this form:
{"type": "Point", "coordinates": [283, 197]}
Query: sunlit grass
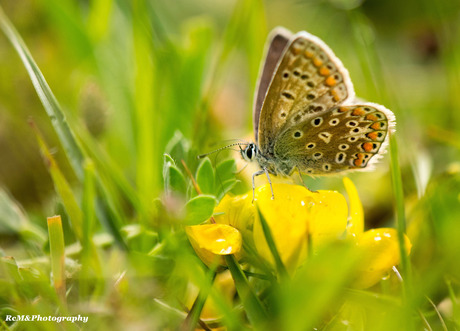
{"type": "Point", "coordinates": [170, 84]}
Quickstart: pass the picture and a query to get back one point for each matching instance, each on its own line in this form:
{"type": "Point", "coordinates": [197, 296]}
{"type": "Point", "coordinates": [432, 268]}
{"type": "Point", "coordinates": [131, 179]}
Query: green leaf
{"type": "Point", "coordinates": [225, 177]}
{"type": "Point", "coordinates": [178, 146]}
{"type": "Point", "coordinates": [173, 178]}
{"type": "Point", "coordinates": [226, 187]}
{"type": "Point", "coordinates": [199, 209]}
{"type": "Point", "coordinates": [177, 180]}
{"type": "Point", "coordinates": [226, 170]}
{"type": "Point", "coordinates": [205, 176]}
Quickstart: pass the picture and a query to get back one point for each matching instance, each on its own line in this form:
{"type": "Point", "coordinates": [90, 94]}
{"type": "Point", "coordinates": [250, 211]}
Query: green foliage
{"type": "Point", "coordinates": [205, 176]}
{"type": "Point", "coordinates": [199, 209]}
{"type": "Point", "coordinates": [160, 81]}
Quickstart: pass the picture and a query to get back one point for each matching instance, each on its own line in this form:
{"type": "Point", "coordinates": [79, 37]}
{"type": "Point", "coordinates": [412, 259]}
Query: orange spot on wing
{"type": "Point", "coordinates": [358, 112]}
{"type": "Point", "coordinates": [368, 147]}
{"type": "Point", "coordinates": [343, 109]}
{"type": "Point", "coordinates": [335, 95]}
{"type": "Point", "coordinates": [295, 50]}
{"type": "Point", "coordinates": [372, 117]}
{"type": "Point", "coordinates": [330, 81]}
{"type": "Point", "coordinates": [359, 161]}
{"type": "Point", "coordinates": [376, 126]}
{"type": "Point", "coordinates": [324, 71]}
{"type": "Point", "coordinates": [317, 62]}
{"type": "Point", "coordinates": [308, 54]}
{"type": "Point", "coordinates": [372, 135]}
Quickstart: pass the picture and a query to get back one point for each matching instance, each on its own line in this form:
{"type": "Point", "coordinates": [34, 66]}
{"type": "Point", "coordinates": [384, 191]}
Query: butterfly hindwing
{"type": "Point", "coordinates": [342, 138]}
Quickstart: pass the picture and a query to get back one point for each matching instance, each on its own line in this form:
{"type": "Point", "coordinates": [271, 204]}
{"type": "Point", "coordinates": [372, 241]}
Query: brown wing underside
{"type": "Point", "coordinates": [309, 79]}
{"type": "Point", "coordinates": [343, 138]}
{"type": "Point", "coordinates": [277, 45]}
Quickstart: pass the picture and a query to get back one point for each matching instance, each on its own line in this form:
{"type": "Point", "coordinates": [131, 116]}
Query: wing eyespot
{"type": "Point", "coordinates": [317, 121]}
{"type": "Point", "coordinates": [297, 134]}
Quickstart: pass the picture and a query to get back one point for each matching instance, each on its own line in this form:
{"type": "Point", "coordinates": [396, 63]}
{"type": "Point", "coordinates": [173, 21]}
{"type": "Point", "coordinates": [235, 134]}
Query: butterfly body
{"type": "Point", "coordinates": [306, 117]}
{"type": "Point", "coordinates": [273, 165]}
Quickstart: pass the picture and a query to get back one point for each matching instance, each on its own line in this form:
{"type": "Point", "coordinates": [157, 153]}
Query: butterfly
{"type": "Point", "coordinates": [306, 117]}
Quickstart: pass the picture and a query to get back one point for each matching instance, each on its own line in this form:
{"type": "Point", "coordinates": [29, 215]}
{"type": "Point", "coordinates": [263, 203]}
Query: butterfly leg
{"type": "Point", "coordinates": [270, 182]}
{"type": "Point", "coordinates": [260, 172]}
{"type": "Point", "coordinates": [257, 173]}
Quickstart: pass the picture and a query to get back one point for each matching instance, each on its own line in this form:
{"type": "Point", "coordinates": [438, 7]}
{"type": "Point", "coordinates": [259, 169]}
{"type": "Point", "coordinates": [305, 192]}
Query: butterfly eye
{"type": "Point", "coordinates": [249, 153]}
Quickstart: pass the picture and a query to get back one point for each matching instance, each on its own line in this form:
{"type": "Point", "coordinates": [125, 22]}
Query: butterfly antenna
{"type": "Point", "coordinates": [220, 149]}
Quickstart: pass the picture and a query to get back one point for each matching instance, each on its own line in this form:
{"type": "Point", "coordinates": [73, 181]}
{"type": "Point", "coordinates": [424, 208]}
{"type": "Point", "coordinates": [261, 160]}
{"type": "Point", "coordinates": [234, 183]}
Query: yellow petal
{"type": "Point", "coordinates": [287, 217]}
{"type": "Point", "coordinates": [380, 252]}
{"type": "Point", "coordinates": [237, 211]}
{"type": "Point", "coordinates": [295, 215]}
{"type": "Point", "coordinates": [356, 218]}
{"type": "Point", "coordinates": [211, 241]}
{"type": "Point", "coordinates": [328, 219]}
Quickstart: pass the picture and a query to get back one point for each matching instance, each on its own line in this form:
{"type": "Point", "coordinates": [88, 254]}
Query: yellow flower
{"type": "Point", "coordinates": [299, 220]}
{"type": "Point", "coordinates": [295, 216]}
{"type": "Point", "coordinates": [378, 248]}
{"type": "Point", "coordinates": [212, 241]}
{"type": "Point", "coordinates": [237, 211]}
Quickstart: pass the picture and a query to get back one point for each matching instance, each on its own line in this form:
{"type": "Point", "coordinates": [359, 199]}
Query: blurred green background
{"type": "Point", "coordinates": [85, 51]}
{"type": "Point", "coordinates": [130, 75]}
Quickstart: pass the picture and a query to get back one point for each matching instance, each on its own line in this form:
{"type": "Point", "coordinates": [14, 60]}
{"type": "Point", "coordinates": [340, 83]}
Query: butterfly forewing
{"type": "Point", "coordinates": [309, 79]}
{"type": "Point", "coordinates": [278, 41]}
{"type": "Point", "coordinates": [341, 138]}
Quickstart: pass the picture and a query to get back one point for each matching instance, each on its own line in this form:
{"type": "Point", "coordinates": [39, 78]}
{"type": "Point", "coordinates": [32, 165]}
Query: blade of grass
{"type": "Point", "coordinates": [89, 255]}
{"type": "Point", "coordinates": [51, 105]}
{"type": "Point", "coordinates": [62, 186]}
{"type": "Point", "coordinates": [146, 125]}
{"type": "Point", "coordinates": [400, 214]}
{"type": "Point", "coordinates": [281, 269]}
{"type": "Point", "coordinates": [455, 302]}
{"type": "Point", "coordinates": [99, 19]}
{"type": "Point", "coordinates": [56, 237]}
{"type": "Point", "coordinates": [67, 138]}
{"type": "Point", "coordinates": [108, 168]}
{"type": "Point", "coordinates": [253, 307]}
{"type": "Point", "coordinates": [193, 316]}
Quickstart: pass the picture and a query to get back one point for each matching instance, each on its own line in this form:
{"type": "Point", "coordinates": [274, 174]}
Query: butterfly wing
{"type": "Point", "coordinates": [308, 79]}
{"type": "Point", "coordinates": [341, 138]}
{"type": "Point", "coordinates": [278, 41]}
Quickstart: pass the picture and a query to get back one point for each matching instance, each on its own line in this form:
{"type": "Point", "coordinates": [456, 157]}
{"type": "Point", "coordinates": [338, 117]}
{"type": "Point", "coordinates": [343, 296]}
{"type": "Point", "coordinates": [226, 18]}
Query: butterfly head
{"type": "Point", "coordinates": [249, 153]}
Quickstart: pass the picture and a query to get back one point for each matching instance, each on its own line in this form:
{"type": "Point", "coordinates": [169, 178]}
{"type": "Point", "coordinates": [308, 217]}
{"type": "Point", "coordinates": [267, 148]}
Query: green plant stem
{"type": "Point", "coordinates": [57, 252]}
{"type": "Point", "coordinates": [254, 308]}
